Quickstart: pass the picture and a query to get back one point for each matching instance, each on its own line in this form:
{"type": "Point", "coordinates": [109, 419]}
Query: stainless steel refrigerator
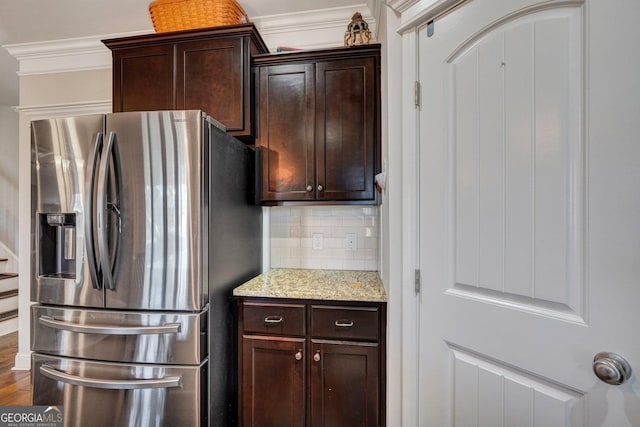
{"type": "Point", "coordinates": [142, 223]}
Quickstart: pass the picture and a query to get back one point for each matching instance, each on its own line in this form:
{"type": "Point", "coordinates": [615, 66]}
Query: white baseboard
{"type": "Point", "coordinates": [23, 362]}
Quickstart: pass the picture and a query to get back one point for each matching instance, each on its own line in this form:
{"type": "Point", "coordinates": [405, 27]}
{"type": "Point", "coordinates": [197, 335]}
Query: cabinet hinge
{"type": "Point", "coordinates": [418, 281]}
{"type": "Point", "coordinates": [417, 91]}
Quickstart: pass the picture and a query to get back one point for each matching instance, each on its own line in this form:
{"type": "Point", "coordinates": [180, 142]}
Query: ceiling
{"type": "Point", "coordinates": [24, 21]}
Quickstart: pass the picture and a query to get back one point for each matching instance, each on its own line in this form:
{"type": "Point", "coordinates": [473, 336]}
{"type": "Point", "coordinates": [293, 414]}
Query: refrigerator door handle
{"type": "Point", "coordinates": [168, 328]}
{"type": "Point", "coordinates": [54, 374]}
{"type": "Point", "coordinates": [89, 212]}
{"type": "Point", "coordinates": [103, 205]}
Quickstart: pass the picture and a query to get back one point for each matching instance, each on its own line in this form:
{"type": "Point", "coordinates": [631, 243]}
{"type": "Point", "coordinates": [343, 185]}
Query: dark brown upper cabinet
{"type": "Point", "coordinates": [319, 125]}
{"type": "Point", "coordinates": [204, 69]}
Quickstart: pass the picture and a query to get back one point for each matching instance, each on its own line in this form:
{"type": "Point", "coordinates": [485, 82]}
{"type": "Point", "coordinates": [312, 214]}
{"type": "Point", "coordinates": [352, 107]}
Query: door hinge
{"type": "Point", "coordinates": [431, 29]}
{"type": "Point", "coordinates": [417, 91]}
{"type": "Point", "coordinates": [418, 281]}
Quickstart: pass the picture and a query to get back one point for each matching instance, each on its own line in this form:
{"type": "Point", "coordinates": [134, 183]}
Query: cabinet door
{"type": "Point", "coordinates": [346, 129]}
{"type": "Point", "coordinates": [285, 133]}
{"type": "Point", "coordinates": [344, 384]}
{"type": "Point", "coordinates": [143, 79]}
{"type": "Point", "coordinates": [213, 76]}
{"type": "Point", "coordinates": [273, 382]}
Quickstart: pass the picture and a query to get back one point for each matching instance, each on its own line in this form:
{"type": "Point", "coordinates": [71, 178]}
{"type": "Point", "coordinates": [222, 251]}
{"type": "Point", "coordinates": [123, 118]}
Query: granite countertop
{"type": "Point", "coordinates": [337, 285]}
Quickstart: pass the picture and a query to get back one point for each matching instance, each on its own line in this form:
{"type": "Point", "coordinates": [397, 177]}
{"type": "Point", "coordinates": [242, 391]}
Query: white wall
{"type": "Point", "coordinates": [391, 212]}
{"type": "Point", "coordinates": [57, 89]}
{"type": "Point", "coordinates": [9, 178]}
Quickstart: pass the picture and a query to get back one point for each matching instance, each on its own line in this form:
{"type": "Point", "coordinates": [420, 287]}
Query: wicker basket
{"type": "Point", "coordinates": [177, 15]}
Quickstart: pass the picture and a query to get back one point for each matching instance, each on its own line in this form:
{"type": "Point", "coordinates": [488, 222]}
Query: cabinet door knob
{"type": "Point", "coordinates": [309, 189]}
{"type": "Point", "coordinates": [316, 357]}
{"type": "Point", "coordinates": [298, 355]}
{"type": "Point", "coordinates": [320, 188]}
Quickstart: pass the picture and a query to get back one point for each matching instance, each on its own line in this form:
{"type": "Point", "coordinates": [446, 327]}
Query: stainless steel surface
{"type": "Point", "coordinates": [160, 202]}
{"type": "Point", "coordinates": [169, 328]}
{"type": "Point", "coordinates": [109, 168]}
{"type": "Point", "coordinates": [62, 150]}
{"type": "Point", "coordinates": [139, 200]}
{"type": "Point", "coordinates": [89, 212]}
{"type": "Point", "coordinates": [162, 226]}
{"type": "Point", "coordinates": [73, 387]}
{"type": "Point", "coordinates": [611, 368]}
{"type": "Point", "coordinates": [316, 357]}
{"type": "Point", "coordinates": [92, 334]}
{"type": "Point", "coordinates": [69, 243]}
{"type": "Point", "coordinates": [108, 384]}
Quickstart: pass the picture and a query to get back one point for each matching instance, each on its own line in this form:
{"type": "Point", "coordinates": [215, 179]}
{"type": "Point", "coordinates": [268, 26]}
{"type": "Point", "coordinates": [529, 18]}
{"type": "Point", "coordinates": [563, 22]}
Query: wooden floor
{"type": "Point", "coordinates": [15, 386]}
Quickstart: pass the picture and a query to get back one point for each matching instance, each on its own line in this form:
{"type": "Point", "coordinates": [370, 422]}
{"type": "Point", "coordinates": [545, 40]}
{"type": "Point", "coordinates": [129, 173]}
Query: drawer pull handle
{"type": "Point", "coordinates": [316, 357]}
{"type": "Point", "coordinates": [299, 355]}
{"type": "Point", "coordinates": [273, 320]}
{"type": "Point", "coordinates": [344, 323]}
{"type": "Point", "coordinates": [114, 384]}
{"type": "Point", "coordinates": [168, 328]}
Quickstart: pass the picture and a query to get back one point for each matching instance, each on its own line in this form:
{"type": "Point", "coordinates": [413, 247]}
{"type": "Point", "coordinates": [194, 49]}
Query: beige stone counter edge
{"type": "Point", "coordinates": [327, 285]}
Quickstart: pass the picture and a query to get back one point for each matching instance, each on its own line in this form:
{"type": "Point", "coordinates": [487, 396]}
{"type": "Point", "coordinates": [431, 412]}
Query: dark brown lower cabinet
{"type": "Point", "coordinates": [275, 394]}
{"type": "Point", "coordinates": [344, 384]}
{"type": "Point", "coordinates": [311, 363]}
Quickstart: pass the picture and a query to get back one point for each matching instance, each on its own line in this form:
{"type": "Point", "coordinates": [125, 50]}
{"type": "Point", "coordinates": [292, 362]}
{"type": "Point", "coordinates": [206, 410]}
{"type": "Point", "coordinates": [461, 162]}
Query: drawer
{"type": "Point", "coordinates": [274, 319]}
{"type": "Point", "coordinates": [166, 337]}
{"type": "Point", "coordinates": [356, 323]}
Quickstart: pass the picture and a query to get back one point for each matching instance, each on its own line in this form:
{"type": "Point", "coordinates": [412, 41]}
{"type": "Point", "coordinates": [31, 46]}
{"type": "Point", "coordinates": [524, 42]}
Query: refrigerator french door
{"type": "Point", "coordinates": [121, 210]}
{"type": "Point", "coordinates": [143, 223]}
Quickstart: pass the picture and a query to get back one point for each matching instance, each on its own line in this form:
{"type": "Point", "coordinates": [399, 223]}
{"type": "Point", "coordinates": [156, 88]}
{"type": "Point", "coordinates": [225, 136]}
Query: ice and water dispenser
{"type": "Point", "coordinates": [57, 245]}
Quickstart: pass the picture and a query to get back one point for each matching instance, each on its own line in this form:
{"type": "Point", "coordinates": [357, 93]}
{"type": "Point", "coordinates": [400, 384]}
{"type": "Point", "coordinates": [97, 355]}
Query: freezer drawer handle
{"type": "Point", "coordinates": [54, 374]}
{"type": "Point", "coordinates": [168, 328]}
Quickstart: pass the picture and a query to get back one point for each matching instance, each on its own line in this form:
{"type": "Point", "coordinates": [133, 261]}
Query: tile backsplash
{"type": "Point", "coordinates": [324, 237]}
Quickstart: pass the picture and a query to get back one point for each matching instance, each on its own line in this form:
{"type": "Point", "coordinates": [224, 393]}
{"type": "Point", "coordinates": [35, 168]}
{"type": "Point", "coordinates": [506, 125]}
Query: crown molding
{"type": "Point", "coordinates": [306, 30]}
{"type": "Point", "coordinates": [400, 6]}
{"type": "Point", "coordinates": [310, 19]}
{"type": "Point", "coordinates": [59, 56]}
{"type": "Point", "coordinates": [312, 28]}
{"type": "Point", "coordinates": [36, 112]}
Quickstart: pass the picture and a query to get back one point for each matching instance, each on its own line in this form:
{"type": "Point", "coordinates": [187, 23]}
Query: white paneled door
{"type": "Point", "coordinates": [529, 214]}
